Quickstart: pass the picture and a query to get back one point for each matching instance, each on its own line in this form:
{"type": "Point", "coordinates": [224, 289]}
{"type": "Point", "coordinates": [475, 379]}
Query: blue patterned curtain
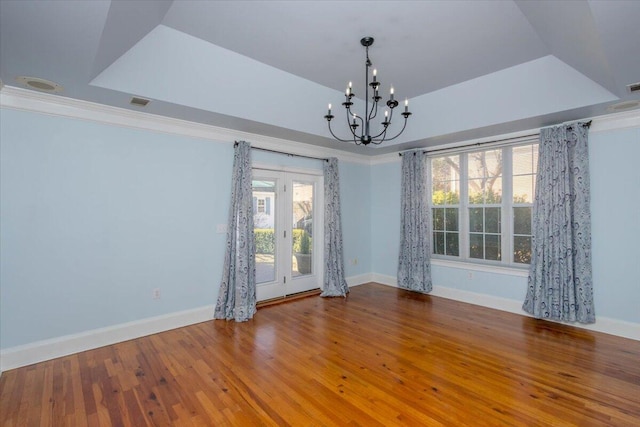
{"type": "Point", "coordinates": [237, 296]}
{"type": "Point", "coordinates": [335, 284]}
{"type": "Point", "coordinates": [414, 267]}
{"type": "Point", "coordinates": [560, 286]}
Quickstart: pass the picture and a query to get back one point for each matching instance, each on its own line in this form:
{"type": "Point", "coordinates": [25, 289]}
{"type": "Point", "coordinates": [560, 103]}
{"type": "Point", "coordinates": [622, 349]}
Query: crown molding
{"type": "Point", "coordinates": [44, 103]}
{"type": "Point", "coordinates": [616, 121]}
{"type": "Point", "coordinates": [28, 100]}
{"type": "Point", "coordinates": [609, 122]}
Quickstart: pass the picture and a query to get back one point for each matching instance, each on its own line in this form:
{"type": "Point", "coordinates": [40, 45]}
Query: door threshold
{"type": "Point", "coordinates": [288, 298]}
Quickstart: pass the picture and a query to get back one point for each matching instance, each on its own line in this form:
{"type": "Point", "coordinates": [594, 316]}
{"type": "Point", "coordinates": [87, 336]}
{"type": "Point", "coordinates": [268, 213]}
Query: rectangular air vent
{"type": "Point", "coordinates": [634, 87]}
{"type": "Point", "coordinates": [139, 102]}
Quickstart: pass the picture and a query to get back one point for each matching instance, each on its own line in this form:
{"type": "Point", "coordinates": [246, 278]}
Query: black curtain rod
{"type": "Point", "coordinates": [285, 153]}
{"type": "Point", "coordinates": [477, 144]}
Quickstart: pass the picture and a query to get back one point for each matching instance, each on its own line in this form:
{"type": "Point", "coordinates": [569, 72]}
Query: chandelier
{"type": "Point", "coordinates": [354, 121]}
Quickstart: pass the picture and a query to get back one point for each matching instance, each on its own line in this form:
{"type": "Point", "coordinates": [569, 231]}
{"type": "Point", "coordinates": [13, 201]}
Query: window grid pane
{"type": "Point", "coordinates": [484, 197]}
{"type": "Point", "coordinates": [525, 168]}
{"type": "Point", "coordinates": [483, 175]}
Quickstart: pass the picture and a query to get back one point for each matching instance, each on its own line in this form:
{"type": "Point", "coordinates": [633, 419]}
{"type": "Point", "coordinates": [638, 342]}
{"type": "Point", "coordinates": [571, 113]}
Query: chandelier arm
{"type": "Point", "coordinates": [399, 133]}
{"type": "Point", "coordinates": [339, 139]}
{"type": "Point", "coordinates": [352, 129]}
{"type": "Point", "coordinates": [374, 109]}
{"type": "Point", "coordinates": [384, 131]}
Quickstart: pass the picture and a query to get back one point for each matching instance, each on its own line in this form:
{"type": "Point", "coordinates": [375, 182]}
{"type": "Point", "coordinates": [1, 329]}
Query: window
{"type": "Point", "coordinates": [446, 205]}
{"type": "Point", "coordinates": [261, 205]}
{"type": "Point", "coordinates": [484, 183]}
{"type": "Point", "coordinates": [525, 166]}
{"type": "Point", "coordinates": [481, 203]}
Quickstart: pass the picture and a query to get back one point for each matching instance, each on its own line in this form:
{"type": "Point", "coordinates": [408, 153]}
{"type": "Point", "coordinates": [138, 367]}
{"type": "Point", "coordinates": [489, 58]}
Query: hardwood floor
{"type": "Point", "coordinates": [382, 356]}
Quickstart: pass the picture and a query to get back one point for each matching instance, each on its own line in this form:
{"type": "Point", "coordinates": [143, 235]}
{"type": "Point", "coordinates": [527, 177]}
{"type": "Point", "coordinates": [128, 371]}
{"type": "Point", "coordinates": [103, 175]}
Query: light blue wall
{"type": "Point", "coordinates": [94, 217]}
{"type": "Point", "coordinates": [355, 199]}
{"type": "Point", "coordinates": [615, 205]}
{"type": "Point", "coordinates": [615, 213]}
{"type": "Point", "coordinates": [385, 218]}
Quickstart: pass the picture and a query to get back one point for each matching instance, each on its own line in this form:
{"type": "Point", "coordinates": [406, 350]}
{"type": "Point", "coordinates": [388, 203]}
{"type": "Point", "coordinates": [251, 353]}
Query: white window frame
{"type": "Point", "coordinates": [264, 205]}
{"type": "Point", "coordinates": [507, 205]}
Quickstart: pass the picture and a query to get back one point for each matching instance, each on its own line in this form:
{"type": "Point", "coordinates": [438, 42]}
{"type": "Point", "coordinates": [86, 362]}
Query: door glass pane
{"type": "Point", "coordinates": [302, 236]}
{"type": "Point", "coordinates": [264, 215]}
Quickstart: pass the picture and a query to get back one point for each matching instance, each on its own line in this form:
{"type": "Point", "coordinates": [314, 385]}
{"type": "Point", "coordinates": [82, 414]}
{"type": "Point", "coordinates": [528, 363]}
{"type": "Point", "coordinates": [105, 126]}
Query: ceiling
{"type": "Point", "coordinates": [470, 69]}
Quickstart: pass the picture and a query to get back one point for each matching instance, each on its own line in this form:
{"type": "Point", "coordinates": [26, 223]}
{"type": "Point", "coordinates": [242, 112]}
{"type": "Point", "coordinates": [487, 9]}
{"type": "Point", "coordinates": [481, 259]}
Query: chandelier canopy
{"type": "Point", "coordinates": [364, 136]}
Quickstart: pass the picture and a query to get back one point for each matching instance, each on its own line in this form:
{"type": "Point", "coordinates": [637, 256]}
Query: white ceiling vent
{"type": "Point", "coordinates": [139, 102]}
{"type": "Point", "coordinates": [634, 87]}
{"type": "Point", "coordinates": [39, 84]}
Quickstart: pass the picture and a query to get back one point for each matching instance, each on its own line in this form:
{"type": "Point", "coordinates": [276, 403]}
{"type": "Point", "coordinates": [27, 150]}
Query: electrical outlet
{"type": "Point", "coordinates": [155, 294]}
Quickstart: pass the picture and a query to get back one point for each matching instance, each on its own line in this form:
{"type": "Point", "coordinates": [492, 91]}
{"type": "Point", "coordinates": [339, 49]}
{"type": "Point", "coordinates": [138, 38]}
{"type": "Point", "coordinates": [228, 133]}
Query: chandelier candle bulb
{"type": "Point", "coordinates": [406, 106]}
{"type": "Point", "coordinates": [329, 109]}
{"type": "Point", "coordinates": [375, 72]}
{"type": "Point", "coordinates": [391, 93]}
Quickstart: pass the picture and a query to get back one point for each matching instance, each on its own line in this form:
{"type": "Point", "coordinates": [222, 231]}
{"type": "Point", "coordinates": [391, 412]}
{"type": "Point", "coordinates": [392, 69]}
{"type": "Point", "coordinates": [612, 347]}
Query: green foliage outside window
{"type": "Point", "coordinates": [265, 241]}
{"type": "Point", "coordinates": [445, 198]}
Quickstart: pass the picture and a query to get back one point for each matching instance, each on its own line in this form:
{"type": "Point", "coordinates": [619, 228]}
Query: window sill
{"type": "Point", "coordinates": [496, 269]}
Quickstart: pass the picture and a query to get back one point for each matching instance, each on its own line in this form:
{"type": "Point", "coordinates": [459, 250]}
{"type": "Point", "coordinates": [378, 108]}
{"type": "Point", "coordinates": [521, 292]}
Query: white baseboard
{"type": "Point", "coordinates": [606, 325]}
{"type": "Point", "coordinates": [24, 355]}
{"type": "Point", "coordinates": [15, 357]}
{"type": "Point", "coordinates": [360, 279]}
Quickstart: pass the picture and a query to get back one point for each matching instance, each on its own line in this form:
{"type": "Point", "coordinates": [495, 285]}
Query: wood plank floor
{"type": "Point", "coordinates": [382, 356]}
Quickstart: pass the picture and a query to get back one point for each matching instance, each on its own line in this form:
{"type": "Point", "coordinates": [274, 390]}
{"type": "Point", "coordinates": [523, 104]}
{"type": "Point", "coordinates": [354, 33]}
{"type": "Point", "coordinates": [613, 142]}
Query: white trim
{"type": "Point", "coordinates": [485, 144]}
{"type": "Point", "coordinates": [385, 158]}
{"type": "Point", "coordinates": [360, 279]}
{"type": "Point", "coordinates": [605, 325]}
{"type": "Point", "coordinates": [385, 280]}
{"type": "Point", "coordinates": [28, 100]}
{"type": "Point", "coordinates": [486, 268]}
{"type": "Point", "coordinates": [16, 357]}
{"type": "Point", "coordinates": [288, 169]}
{"type": "Point", "coordinates": [617, 121]}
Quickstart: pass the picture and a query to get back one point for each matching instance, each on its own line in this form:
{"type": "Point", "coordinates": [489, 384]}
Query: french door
{"type": "Point", "coordinates": [288, 228]}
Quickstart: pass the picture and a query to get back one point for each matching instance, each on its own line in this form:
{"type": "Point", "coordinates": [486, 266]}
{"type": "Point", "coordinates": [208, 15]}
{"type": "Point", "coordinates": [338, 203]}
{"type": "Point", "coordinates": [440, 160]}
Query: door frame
{"type": "Point", "coordinates": [284, 283]}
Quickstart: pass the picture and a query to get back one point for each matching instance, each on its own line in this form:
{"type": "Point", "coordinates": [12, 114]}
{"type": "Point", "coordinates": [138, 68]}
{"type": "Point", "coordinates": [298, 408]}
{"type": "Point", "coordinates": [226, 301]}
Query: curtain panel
{"type": "Point", "coordinates": [560, 285]}
{"type": "Point", "coordinates": [237, 295]}
{"type": "Point", "coordinates": [414, 265]}
{"type": "Point", "coordinates": [335, 284]}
